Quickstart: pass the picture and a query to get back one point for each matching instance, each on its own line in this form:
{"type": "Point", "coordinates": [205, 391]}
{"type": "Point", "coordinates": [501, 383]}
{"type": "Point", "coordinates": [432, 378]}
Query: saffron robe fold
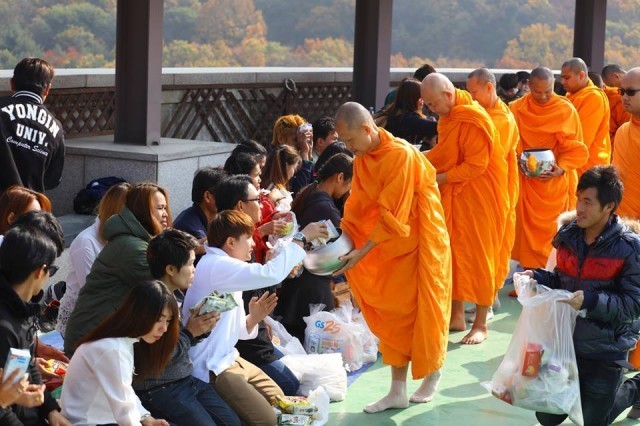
{"type": "Point", "coordinates": [474, 199]}
{"type": "Point", "coordinates": [627, 162]}
{"type": "Point", "coordinates": [619, 115]}
{"type": "Point", "coordinates": [403, 285]}
{"type": "Point", "coordinates": [555, 126]}
{"type": "Point", "coordinates": [592, 105]}
{"type": "Point", "coordinates": [508, 131]}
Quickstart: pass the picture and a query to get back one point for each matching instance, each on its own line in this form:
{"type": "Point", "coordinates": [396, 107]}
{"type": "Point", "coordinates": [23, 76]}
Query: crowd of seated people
{"type": "Point", "coordinates": [136, 353]}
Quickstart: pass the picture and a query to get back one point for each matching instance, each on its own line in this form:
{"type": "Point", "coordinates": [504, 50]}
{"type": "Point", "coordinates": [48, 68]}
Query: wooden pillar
{"type": "Point", "coordinates": [372, 52]}
{"type": "Point", "coordinates": [589, 32]}
{"type": "Point", "coordinates": [138, 72]}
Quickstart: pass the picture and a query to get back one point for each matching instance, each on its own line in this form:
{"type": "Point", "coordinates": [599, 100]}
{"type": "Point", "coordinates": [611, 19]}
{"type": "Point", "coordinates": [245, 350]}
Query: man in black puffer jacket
{"type": "Point", "coordinates": [598, 260]}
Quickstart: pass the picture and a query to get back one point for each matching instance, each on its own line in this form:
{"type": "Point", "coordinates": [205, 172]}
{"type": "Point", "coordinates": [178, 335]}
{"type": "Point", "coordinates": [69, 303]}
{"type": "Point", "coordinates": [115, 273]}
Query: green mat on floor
{"type": "Point", "coordinates": [460, 399]}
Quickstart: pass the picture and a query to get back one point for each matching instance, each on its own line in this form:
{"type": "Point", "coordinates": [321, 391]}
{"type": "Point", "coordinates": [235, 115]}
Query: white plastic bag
{"type": "Point", "coordinates": [282, 340]}
{"type": "Point", "coordinates": [370, 341]}
{"type": "Point", "coordinates": [324, 370]}
{"type": "Point", "coordinates": [539, 370]}
{"type": "Point", "coordinates": [320, 399]}
{"type": "Point", "coordinates": [333, 332]}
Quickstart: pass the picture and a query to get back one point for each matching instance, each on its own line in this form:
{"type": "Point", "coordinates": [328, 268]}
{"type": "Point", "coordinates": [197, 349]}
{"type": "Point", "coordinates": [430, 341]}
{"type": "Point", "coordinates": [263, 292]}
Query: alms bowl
{"type": "Point", "coordinates": [325, 260]}
{"type": "Point", "coordinates": [534, 162]}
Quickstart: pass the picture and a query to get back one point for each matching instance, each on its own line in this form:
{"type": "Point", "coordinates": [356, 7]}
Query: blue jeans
{"type": "Point", "coordinates": [279, 373]}
{"type": "Point", "coordinates": [189, 402]}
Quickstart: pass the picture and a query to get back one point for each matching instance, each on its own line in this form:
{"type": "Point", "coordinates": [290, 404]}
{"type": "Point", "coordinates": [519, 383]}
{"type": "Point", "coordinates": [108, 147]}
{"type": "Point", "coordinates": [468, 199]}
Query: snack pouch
{"type": "Point", "coordinates": [214, 302]}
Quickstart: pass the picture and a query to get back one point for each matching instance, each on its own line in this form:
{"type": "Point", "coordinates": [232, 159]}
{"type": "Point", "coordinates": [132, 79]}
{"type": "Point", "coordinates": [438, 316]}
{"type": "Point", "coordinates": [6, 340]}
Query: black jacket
{"type": "Point", "coordinates": [17, 330]}
{"type": "Point", "coordinates": [608, 271]}
{"type": "Point", "coordinates": [31, 143]}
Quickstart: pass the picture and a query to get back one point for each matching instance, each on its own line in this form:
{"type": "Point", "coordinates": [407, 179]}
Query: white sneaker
{"type": "Point", "coordinates": [472, 318]}
{"type": "Point", "coordinates": [496, 304]}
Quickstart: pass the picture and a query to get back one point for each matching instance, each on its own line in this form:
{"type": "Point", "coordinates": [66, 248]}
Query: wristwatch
{"type": "Point", "coordinates": [144, 417]}
{"type": "Point", "coordinates": [299, 236]}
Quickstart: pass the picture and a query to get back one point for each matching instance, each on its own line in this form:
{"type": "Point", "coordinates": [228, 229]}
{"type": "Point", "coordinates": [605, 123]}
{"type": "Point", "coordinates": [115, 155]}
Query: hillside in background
{"type": "Point", "coordinates": [446, 33]}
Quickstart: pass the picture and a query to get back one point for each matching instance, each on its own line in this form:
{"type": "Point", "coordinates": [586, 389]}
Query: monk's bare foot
{"type": "Point", "coordinates": [392, 400]}
{"type": "Point", "coordinates": [475, 336]}
{"type": "Point", "coordinates": [457, 325]}
{"type": "Point", "coordinates": [427, 389]}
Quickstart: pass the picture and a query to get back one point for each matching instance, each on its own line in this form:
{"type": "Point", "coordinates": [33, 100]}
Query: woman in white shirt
{"type": "Point", "coordinates": [246, 388]}
{"type": "Point", "coordinates": [97, 388]}
{"type": "Point", "coordinates": [85, 248]}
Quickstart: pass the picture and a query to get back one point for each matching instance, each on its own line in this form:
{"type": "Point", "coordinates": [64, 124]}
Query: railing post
{"type": "Point", "coordinates": [138, 72]}
{"type": "Point", "coordinates": [372, 52]}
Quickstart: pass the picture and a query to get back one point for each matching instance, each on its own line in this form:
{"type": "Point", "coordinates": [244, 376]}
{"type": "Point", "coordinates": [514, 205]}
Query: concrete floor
{"type": "Point", "coordinates": [460, 400]}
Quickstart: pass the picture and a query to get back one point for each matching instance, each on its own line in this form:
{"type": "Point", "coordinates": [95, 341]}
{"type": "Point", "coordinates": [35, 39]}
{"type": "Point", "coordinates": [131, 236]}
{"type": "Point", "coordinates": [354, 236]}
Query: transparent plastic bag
{"type": "Point", "coordinates": [539, 370]}
{"type": "Point", "coordinates": [334, 332]}
{"type": "Point", "coordinates": [320, 399]}
{"type": "Point", "coordinates": [316, 370]}
{"type": "Point", "coordinates": [282, 340]}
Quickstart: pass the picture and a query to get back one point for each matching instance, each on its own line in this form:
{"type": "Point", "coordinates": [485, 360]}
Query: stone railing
{"type": "Point", "coordinates": [209, 104]}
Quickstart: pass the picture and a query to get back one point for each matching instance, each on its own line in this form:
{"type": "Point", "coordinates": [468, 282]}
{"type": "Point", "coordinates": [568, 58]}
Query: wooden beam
{"type": "Point", "coordinates": [138, 72]}
{"type": "Point", "coordinates": [372, 52]}
{"type": "Point", "coordinates": [589, 32]}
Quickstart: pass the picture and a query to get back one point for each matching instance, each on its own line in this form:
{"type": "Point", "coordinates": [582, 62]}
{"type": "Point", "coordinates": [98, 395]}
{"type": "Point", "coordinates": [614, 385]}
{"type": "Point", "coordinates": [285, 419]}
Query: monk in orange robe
{"type": "Point", "coordinates": [627, 158]}
{"type": "Point", "coordinates": [400, 270]}
{"type": "Point", "coordinates": [481, 83]}
{"type": "Point", "coordinates": [612, 77]}
{"type": "Point", "coordinates": [593, 108]}
{"type": "Point", "coordinates": [472, 177]}
{"type": "Point", "coordinates": [545, 121]}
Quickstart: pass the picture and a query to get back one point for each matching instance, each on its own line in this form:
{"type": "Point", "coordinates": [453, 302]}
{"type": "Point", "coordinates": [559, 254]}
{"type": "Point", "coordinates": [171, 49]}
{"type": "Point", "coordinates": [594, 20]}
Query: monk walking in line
{"type": "Point", "coordinates": [627, 154]}
{"type": "Point", "coordinates": [593, 108]}
{"type": "Point", "coordinates": [400, 270]}
{"type": "Point", "coordinates": [472, 178]}
{"type": "Point", "coordinates": [481, 83]}
{"type": "Point", "coordinates": [545, 121]}
{"type": "Point", "coordinates": [612, 75]}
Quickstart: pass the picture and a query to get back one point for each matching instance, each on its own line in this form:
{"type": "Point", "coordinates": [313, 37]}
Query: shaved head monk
{"type": "Point", "coordinates": [627, 153]}
{"type": "Point", "coordinates": [612, 75]}
{"type": "Point", "coordinates": [400, 270]}
{"type": "Point", "coordinates": [592, 105]}
{"type": "Point", "coordinates": [472, 178]}
{"type": "Point", "coordinates": [545, 121]}
{"type": "Point", "coordinates": [481, 83]}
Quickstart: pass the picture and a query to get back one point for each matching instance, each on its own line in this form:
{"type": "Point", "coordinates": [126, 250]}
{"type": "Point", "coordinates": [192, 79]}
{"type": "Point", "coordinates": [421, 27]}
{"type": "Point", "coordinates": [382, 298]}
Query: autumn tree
{"type": "Point", "coordinates": [538, 45]}
{"type": "Point", "coordinates": [227, 20]}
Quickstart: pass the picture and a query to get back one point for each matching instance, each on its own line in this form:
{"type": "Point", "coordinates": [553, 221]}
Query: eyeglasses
{"type": "Point", "coordinates": [628, 92]}
{"type": "Point", "coordinates": [252, 199]}
{"type": "Point", "coordinates": [52, 269]}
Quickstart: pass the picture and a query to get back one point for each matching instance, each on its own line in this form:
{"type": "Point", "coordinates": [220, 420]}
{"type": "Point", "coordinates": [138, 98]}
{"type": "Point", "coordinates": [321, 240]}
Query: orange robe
{"type": "Point", "coordinates": [618, 114]}
{"type": "Point", "coordinates": [626, 162]}
{"type": "Point", "coordinates": [555, 126]}
{"type": "Point", "coordinates": [508, 130]}
{"type": "Point", "coordinates": [593, 108]}
{"type": "Point", "coordinates": [475, 198]}
{"type": "Point", "coordinates": [403, 285]}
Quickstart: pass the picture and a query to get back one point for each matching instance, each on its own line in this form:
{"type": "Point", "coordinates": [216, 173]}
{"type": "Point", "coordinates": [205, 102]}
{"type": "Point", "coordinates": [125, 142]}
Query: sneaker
{"type": "Point", "coordinates": [472, 318]}
{"type": "Point", "coordinates": [496, 304]}
{"type": "Point", "coordinates": [634, 413]}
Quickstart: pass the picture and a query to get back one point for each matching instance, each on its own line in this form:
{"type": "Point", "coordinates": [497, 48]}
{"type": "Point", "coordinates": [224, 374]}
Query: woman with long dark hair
{"type": "Point", "coordinates": [142, 332]}
{"type": "Point", "coordinates": [314, 203]}
{"type": "Point", "coordinates": [405, 118]}
{"type": "Point", "coordinates": [122, 263]}
{"type": "Point", "coordinates": [282, 164]}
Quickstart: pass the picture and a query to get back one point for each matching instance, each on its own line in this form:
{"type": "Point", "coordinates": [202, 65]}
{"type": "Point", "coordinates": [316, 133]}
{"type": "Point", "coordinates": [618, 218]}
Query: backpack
{"type": "Point", "coordinates": [87, 199]}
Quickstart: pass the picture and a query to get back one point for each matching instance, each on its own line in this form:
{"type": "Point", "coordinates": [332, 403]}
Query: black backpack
{"type": "Point", "coordinates": [87, 199]}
